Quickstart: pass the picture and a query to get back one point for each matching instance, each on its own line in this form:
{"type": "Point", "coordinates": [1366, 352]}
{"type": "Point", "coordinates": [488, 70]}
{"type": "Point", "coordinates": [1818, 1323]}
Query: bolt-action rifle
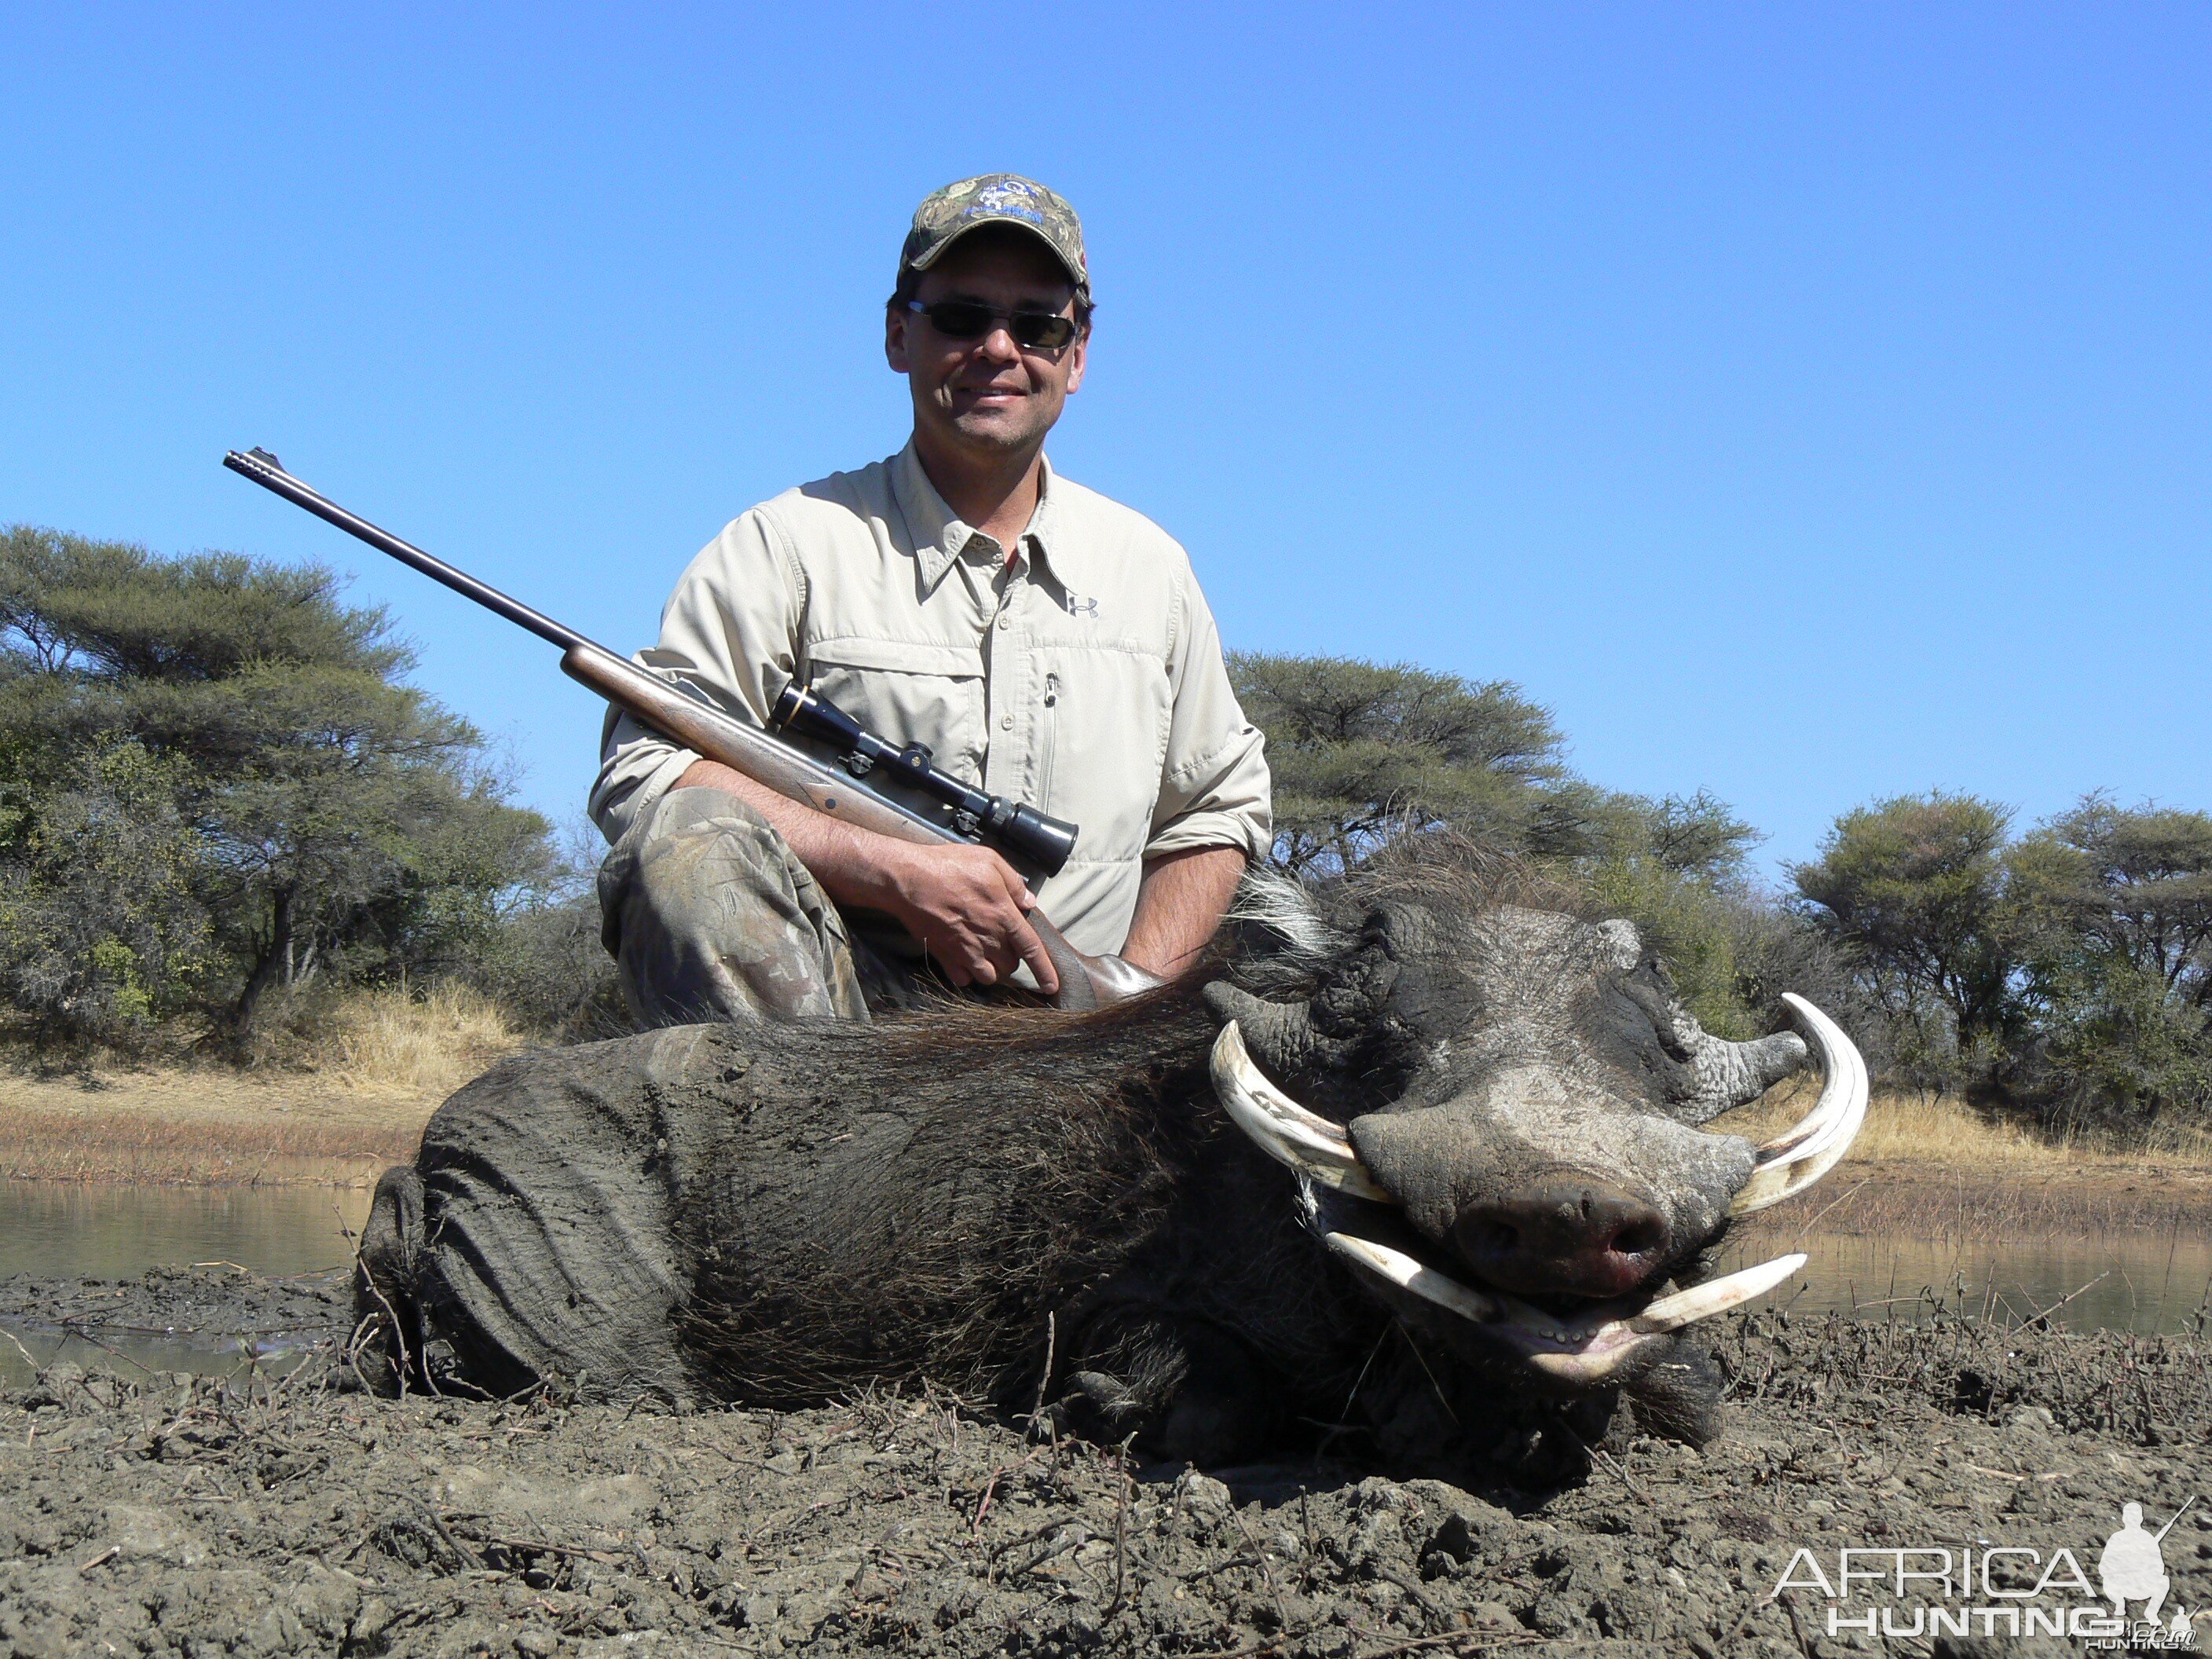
{"type": "Point", "coordinates": [944, 809]}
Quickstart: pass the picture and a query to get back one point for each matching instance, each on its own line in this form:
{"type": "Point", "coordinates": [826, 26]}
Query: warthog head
{"type": "Point", "coordinates": [1494, 1114]}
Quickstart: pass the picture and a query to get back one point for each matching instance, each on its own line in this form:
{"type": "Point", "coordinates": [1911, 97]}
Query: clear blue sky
{"type": "Point", "coordinates": [1807, 404]}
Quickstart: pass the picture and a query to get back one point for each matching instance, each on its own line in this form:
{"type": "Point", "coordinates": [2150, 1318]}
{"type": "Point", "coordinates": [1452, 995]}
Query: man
{"type": "Point", "coordinates": [1039, 639]}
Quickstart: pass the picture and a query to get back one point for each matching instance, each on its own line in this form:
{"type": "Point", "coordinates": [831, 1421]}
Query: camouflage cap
{"type": "Point", "coordinates": [995, 198]}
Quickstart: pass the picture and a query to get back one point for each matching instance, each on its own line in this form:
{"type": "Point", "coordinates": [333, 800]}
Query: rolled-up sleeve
{"type": "Point", "coordinates": [730, 634]}
{"type": "Point", "coordinates": [1214, 780]}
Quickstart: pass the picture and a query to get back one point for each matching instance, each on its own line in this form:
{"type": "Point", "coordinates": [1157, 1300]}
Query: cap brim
{"type": "Point", "coordinates": [978, 223]}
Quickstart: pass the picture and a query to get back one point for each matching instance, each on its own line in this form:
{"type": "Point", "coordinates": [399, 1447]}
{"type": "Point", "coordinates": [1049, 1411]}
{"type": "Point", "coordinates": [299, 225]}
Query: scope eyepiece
{"type": "Point", "coordinates": [1047, 842]}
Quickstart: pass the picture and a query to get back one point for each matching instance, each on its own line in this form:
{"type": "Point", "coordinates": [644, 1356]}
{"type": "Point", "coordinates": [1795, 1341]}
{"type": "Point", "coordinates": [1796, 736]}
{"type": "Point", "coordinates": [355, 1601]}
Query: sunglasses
{"type": "Point", "coordinates": [967, 319]}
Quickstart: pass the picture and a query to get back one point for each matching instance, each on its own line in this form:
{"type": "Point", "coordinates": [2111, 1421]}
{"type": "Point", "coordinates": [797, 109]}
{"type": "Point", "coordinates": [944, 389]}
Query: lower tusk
{"type": "Point", "coordinates": [1671, 1313]}
{"type": "Point", "coordinates": [1407, 1274]}
{"type": "Point", "coordinates": [1790, 1163]}
{"type": "Point", "coordinates": [1282, 1128]}
{"type": "Point", "coordinates": [1585, 1352]}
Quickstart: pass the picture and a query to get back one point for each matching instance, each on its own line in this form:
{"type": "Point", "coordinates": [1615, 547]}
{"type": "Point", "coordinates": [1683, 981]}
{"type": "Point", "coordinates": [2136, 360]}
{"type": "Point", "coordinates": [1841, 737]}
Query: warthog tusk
{"type": "Point", "coordinates": [1800, 1156]}
{"type": "Point", "coordinates": [1583, 1351]}
{"type": "Point", "coordinates": [1284, 1130]}
{"type": "Point", "coordinates": [1408, 1274]}
{"type": "Point", "coordinates": [1671, 1313]}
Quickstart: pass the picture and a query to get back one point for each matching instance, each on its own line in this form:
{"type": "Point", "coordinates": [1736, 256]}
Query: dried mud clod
{"type": "Point", "coordinates": [300, 1514]}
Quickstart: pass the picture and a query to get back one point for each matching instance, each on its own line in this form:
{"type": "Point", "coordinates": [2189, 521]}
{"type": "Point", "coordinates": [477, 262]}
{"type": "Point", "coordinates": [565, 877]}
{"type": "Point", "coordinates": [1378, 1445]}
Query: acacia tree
{"type": "Point", "coordinates": [316, 806]}
{"type": "Point", "coordinates": [101, 928]}
{"type": "Point", "coordinates": [1362, 750]}
{"type": "Point", "coordinates": [2115, 909]}
{"type": "Point", "coordinates": [2127, 886]}
{"type": "Point", "coordinates": [1915, 886]}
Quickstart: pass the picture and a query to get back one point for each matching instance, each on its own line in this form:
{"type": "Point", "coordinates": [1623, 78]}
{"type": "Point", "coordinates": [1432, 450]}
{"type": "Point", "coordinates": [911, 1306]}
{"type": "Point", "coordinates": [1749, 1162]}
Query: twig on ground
{"type": "Point", "coordinates": [1074, 1536]}
{"type": "Point", "coordinates": [2039, 1318]}
{"type": "Point", "coordinates": [399, 1334]}
{"type": "Point", "coordinates": [1274, 1590]}
{"type": "Point", "coordinates": [1470, 1640]}
{"type": "Point", "coordinates": [1120, 1528]}
{"type": "Point", "coordinates": [1044, 1376]}
{"type": "Point", "coordinates": [990, 1488]}
{"type": "Point", "coordinates": [452, 1542]}
{"type": "Point", "coordinates": [1599, 1455]}
{"type": "Point", "coordinates": [82, 1335]}
{"type": "Point", "coordinates": [1477, 1638]}
{"type": "Point", "coordinates": [37, 1369]}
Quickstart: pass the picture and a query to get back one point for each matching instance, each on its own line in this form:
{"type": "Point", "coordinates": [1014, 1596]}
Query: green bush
{"type": "Point", "coordinates": [214, 781]}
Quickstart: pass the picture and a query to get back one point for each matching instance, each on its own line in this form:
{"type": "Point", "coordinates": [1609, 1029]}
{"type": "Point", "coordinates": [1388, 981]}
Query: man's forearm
{"type": "Point", "coordinates": [1180, 906]}
{"type": "Point", "coordinates": [848, 862]}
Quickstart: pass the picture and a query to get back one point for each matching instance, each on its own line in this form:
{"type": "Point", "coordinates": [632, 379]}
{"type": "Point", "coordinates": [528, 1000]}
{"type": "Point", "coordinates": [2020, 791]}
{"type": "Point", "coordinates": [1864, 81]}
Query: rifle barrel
{"type": "Point", "coordinates": [269, 472]}
{"type": "Point", "coordinates": [2168, 1527]}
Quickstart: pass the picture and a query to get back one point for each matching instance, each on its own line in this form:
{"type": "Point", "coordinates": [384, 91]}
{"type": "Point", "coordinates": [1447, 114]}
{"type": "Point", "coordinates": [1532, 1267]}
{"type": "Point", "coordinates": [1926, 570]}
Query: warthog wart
{"type": "Point", "coordinates": [1490, 1112]}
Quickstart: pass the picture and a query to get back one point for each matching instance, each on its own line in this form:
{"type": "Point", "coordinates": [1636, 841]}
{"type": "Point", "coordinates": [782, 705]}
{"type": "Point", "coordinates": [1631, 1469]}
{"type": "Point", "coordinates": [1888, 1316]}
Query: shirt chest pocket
{"type": "Point", "coordinates": [907, 692]}
{"type": "Point", "coordinates": [1108, 717]}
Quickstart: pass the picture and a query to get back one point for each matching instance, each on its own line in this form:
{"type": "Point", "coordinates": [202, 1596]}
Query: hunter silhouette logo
{"type": "Point", "coordinates": [2133, 1566]}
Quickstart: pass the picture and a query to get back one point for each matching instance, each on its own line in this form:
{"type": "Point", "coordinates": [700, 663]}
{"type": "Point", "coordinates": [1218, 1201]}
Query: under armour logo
{"type": "Point", "coordinates": [1082, 607]}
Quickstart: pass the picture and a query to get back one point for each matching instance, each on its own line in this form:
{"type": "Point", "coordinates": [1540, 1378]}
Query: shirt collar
{"type": "Point", "coordinates": [939, 536]}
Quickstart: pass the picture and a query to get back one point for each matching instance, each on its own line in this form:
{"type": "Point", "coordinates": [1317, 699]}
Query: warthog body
{"type": "Point", "coordinates": [775, 1214]}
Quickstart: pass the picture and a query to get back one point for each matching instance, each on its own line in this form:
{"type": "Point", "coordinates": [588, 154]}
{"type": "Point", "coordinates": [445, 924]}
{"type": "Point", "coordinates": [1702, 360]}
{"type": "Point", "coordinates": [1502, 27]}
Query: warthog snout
{"type": "Point", "coordinates": [1571, 1233]}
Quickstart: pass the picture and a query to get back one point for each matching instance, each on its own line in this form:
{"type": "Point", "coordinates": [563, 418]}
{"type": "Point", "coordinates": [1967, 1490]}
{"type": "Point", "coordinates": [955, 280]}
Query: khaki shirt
{"type": "Point", "coordinates": [1084, 677]}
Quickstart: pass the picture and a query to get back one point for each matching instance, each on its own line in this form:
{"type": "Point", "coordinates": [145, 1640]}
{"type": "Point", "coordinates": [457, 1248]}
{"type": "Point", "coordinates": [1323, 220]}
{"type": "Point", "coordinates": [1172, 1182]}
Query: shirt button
{"type": "Point", "coordinates": [1006, 619]}
{"type": "Point", "coordinates": [1006, 722]}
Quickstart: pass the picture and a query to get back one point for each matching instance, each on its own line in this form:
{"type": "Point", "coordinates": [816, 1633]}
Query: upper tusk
{"type": "Point", "coordinates": [1793, 1161]}
{"type": "Point", "coordinates": [1284, 1130]}
{"type": "Point", "coordinates": [1408, 1274]}
{"type": "Point", "coordinates": [1716, 1295]}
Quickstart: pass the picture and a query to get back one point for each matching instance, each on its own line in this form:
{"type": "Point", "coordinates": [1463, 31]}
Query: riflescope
{"type": "Point", "coordinates": [1018, 828]}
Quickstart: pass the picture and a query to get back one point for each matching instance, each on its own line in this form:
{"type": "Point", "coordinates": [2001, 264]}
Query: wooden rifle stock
{"type": "Point", "coordinates": [1085, 983]}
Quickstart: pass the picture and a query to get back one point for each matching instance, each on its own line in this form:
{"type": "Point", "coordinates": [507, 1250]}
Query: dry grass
{"type": "Point", "coordinates": [380, 1064]}
{"type": "Point", "coordinates": [393, 1043]}
{"type": "Point", "coordinates": [1924, 1128]}
{"type": "Point", "coordinates": [1929, 1167]}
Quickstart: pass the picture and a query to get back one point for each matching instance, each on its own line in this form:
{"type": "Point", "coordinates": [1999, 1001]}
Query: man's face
{"type": "Point", "coordinates": [988, 394]}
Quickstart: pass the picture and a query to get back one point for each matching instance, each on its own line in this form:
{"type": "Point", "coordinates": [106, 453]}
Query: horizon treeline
{"type": "Point", "coordinates": [221, 805]}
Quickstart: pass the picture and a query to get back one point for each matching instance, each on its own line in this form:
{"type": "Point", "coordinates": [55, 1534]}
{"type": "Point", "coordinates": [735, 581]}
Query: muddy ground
{"type": "Point", "coordinates": [261, 1514]}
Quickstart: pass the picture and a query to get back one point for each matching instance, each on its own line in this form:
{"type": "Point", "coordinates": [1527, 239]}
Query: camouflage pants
{"type": "Point", "coordinates": [710, 916]}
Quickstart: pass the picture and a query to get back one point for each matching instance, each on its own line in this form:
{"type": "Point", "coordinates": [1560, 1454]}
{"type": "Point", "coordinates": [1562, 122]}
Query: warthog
{"type": "Point", "coordinates": [1470, 1156]}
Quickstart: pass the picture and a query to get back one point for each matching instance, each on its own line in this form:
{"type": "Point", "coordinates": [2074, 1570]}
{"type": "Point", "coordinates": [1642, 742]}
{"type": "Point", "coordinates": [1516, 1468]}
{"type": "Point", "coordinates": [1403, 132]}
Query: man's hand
{"type": "Point", "coordinates": [967, 908]}
{"type": "Point", "coordinates": [965, 904]}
